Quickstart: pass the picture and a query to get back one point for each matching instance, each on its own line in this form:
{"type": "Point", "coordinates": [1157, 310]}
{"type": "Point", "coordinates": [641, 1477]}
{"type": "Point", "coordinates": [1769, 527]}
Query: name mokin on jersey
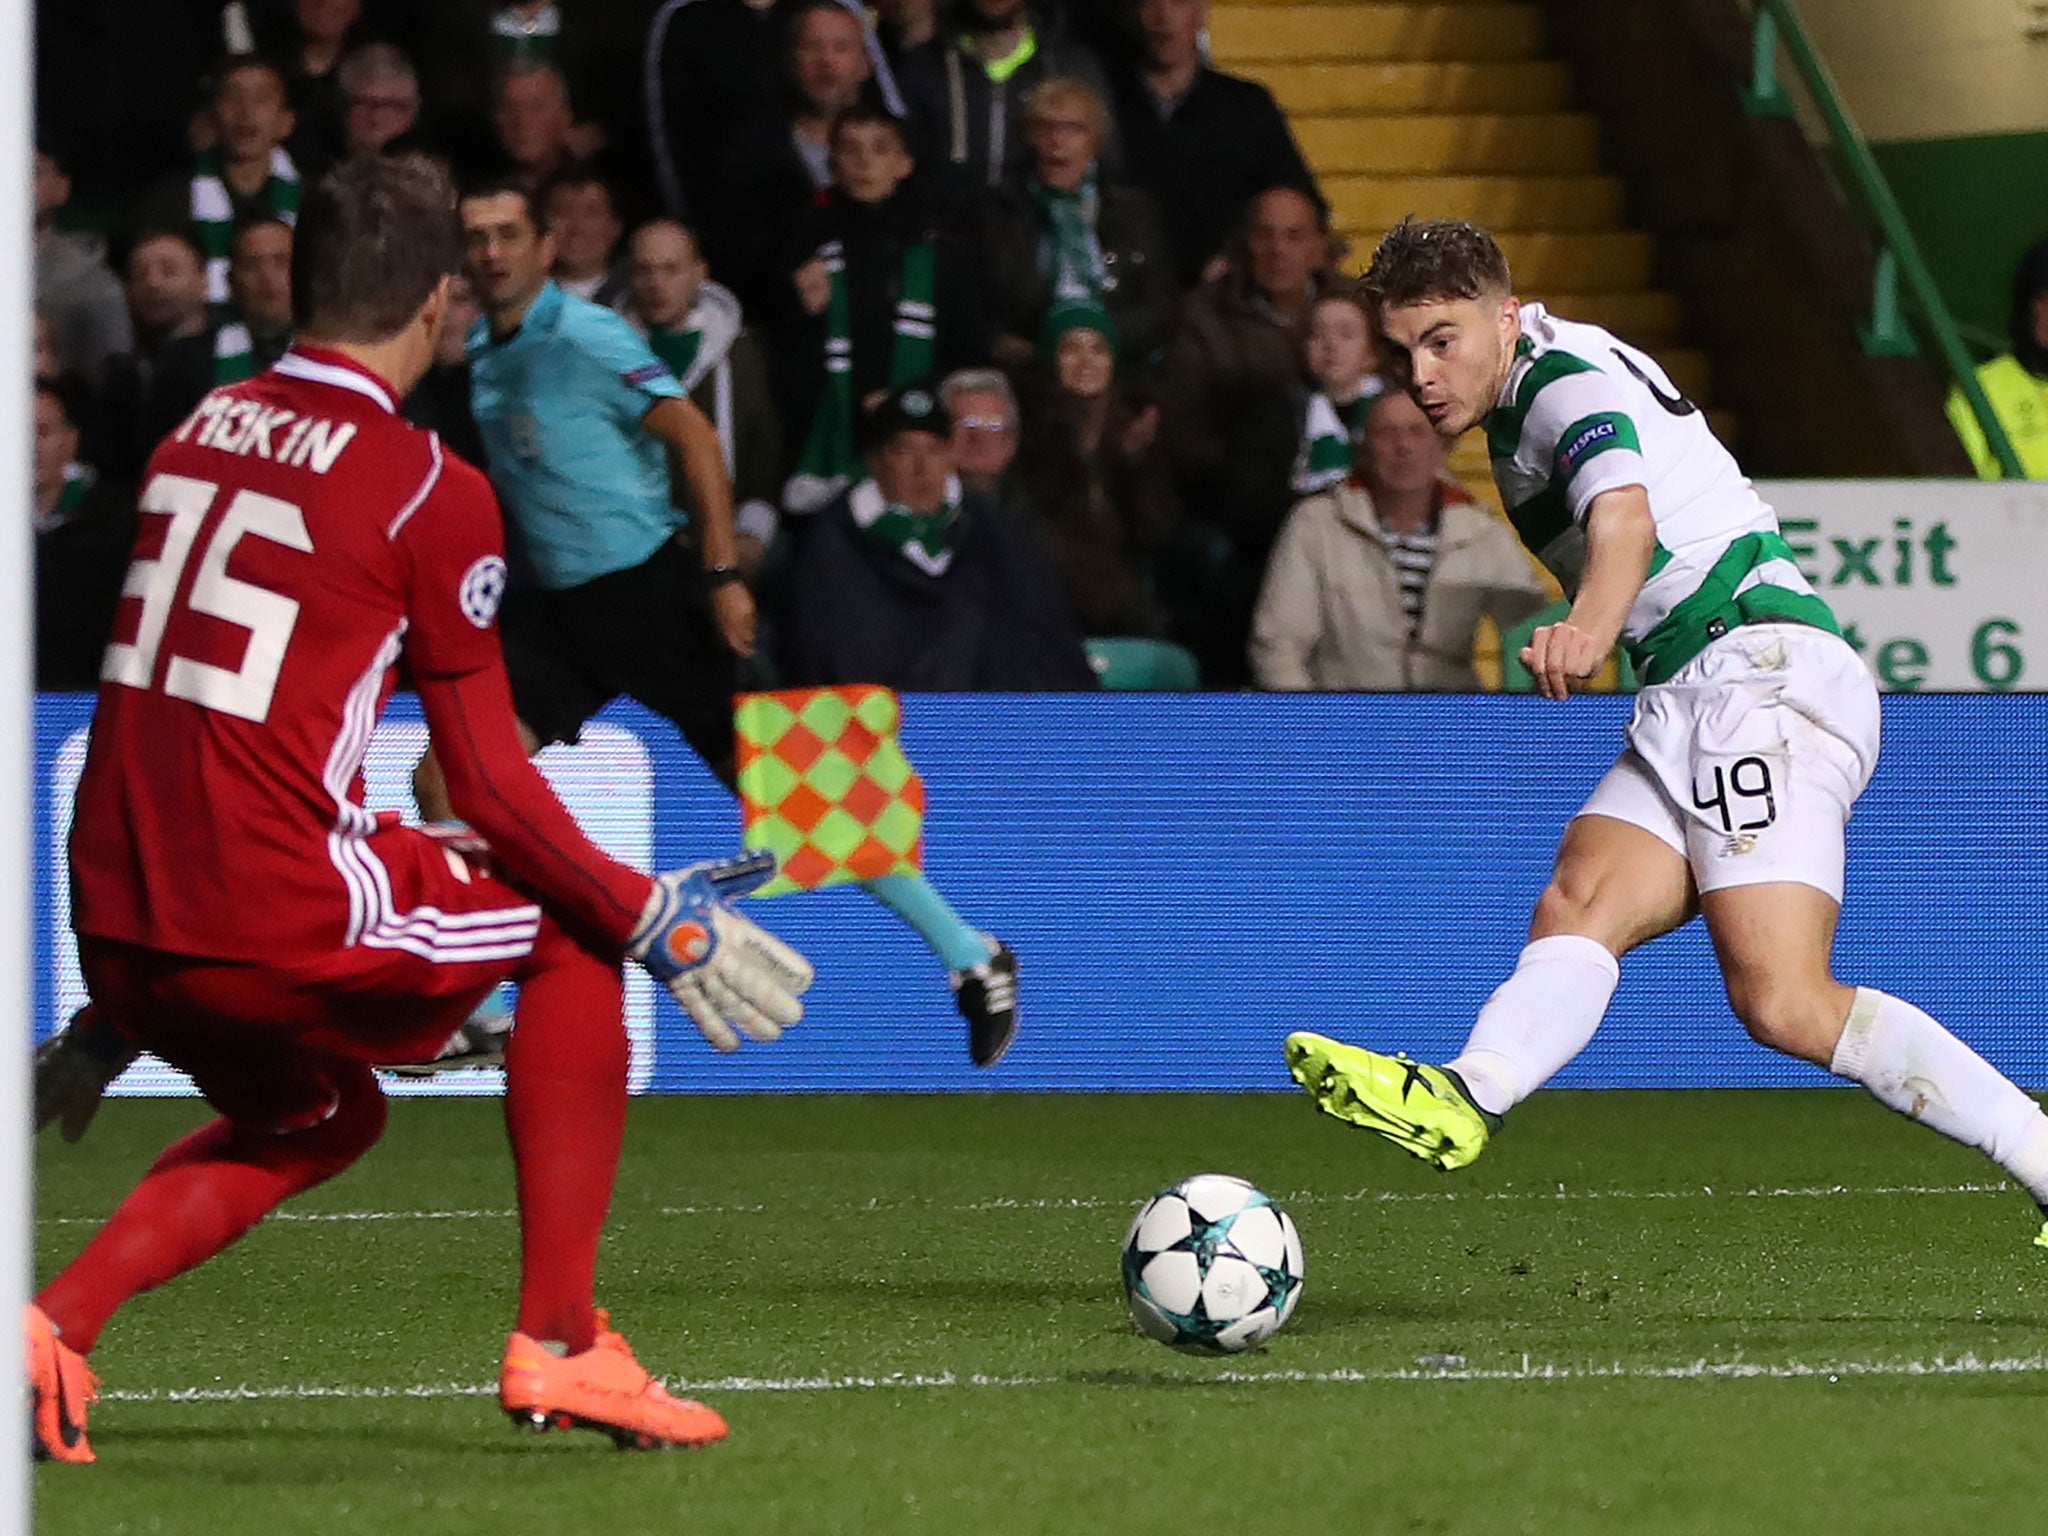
{"type": "Point", "coordinates": [270, 432]}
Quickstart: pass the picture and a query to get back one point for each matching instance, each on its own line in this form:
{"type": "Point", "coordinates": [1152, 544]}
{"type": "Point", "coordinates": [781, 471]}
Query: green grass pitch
{"type": "Point", "coordinates": [1678, 1312]}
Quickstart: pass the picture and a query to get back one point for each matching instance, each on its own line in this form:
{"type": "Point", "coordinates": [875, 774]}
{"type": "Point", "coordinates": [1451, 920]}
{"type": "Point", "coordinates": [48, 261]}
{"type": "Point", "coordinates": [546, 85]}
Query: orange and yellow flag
{"type": "Point", "coordinates": [825, 786]}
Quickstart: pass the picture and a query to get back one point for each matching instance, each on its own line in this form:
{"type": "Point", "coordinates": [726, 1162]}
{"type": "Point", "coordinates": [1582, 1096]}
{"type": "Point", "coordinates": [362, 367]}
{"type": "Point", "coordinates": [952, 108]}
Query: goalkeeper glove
{"type": "Point", "coordinates": [729, 974]}
{"type": "Point", "coordinates": [73, 1068]}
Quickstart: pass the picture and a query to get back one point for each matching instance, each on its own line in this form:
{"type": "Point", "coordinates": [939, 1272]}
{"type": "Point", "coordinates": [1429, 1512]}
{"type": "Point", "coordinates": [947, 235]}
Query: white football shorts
{"type": "Point", "coordinates": [1749, 760]}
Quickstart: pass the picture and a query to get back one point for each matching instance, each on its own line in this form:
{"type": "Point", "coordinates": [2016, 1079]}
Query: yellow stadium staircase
{"type": "Point", "coordinates": [1454, 110]}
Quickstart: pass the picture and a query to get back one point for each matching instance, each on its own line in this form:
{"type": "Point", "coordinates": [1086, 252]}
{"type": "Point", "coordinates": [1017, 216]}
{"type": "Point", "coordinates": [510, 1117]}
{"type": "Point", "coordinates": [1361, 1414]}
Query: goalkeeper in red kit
{"type": "Point", "coordinates": [241, 914]}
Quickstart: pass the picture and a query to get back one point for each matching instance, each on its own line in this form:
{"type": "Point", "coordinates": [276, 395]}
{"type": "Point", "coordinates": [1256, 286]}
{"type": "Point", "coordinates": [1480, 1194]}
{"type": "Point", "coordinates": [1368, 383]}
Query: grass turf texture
{"type": "Point", "coordinates": [793, 1240]}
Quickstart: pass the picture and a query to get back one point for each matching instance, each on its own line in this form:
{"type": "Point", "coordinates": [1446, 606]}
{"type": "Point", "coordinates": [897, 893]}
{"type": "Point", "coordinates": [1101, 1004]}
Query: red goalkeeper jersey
{"type": "Point", "coordinates": [296, 535]}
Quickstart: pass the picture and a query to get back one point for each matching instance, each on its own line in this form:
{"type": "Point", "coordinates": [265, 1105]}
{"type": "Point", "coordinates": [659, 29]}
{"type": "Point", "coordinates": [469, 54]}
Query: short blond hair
{"type": "Point", "coordinates": [1049, 95]}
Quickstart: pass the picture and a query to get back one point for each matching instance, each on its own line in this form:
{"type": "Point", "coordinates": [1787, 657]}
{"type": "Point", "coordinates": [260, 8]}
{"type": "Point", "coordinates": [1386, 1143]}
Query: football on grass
{"type": "Point", "coordinates": [1211, 1266]}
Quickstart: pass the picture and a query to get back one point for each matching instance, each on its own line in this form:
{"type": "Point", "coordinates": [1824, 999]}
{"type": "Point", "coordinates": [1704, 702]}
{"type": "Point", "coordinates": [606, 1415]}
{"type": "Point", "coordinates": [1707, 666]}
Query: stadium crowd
{"type": "Point", "coordinates": [1020, 325]}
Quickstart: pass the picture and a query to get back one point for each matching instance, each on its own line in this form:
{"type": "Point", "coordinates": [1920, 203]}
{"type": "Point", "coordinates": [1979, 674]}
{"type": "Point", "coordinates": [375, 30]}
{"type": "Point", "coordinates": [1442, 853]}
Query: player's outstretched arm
{"type": "Point", "coordinates": [1621, 537]}
{"type": "Point", "coordinates": [730, 975]}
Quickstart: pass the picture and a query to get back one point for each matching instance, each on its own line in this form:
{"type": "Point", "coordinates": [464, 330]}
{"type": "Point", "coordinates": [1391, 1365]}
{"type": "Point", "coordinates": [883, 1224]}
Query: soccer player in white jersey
{"type": "Point", "coordinates": [1756, 729]}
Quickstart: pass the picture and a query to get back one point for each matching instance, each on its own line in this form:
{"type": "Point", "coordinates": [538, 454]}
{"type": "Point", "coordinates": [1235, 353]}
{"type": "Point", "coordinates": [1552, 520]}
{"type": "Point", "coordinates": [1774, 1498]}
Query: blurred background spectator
{"type": "Point", "coordinates": [697, 328]}
{"type": "Point", "coordinates": [985, 429]}
{"type": "Point", "coordinates": [149, 391]}
{"type": "Point", "coordinates": [76, 291]}
{"type": "Point", "coordinates": [583, 216]}
{"type": "Point", "coordinates": [1093, 477]}
{"type": "Point", "coordinates": [1233, 395]}
{"type": "Point", "coordinates": [2016, 383]}
{"type": "Point", "coordinates": [1382, 581]}
{"type": "Point", "coordinates": [968, 87]}
{"type": "Point", "coordinates": [1203, 143]}
{"type": "Point", "coordinates": [910, 580]}
{"type": "Point", "coordinates": [534, 122]}
{"type": "Point", "coordinates": [258, 328]}
{"type": "Point", "coordinates": [83, 526]}
{"type": "Point", "coordinates": [440, 401]}
{"type": "Point", "coordinates": [380, 96]}
{"type": "Point", "coordinates": [323, 32]}
{"type": "Point", "coordinates": [1341, 361]}
{"type": "Point", "coordinates": [885, 298]}
{"type": "Point", "coordinates": [248, 174]}
{"type": "Point", "coordinates": [771, 167]}
{"type": "Point", "coordinates": [1061, 232]}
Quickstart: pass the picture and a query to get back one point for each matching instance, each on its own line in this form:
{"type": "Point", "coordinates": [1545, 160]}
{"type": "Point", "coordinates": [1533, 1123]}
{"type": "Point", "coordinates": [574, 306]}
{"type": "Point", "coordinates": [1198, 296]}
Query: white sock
{"type": "Point", "coordinates": [1911, 1064]}
{"type": "Point", "coordinates": [1537, 1020]}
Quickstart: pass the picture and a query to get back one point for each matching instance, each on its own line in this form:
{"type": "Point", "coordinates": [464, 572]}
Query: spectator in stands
{"type": "Point", "coordinates": [534, 122]}
{"type": "Point", "coordinates": [886, 299]}
{"type": "Point", "coordinates": [1343, 362]}
{"type": "Point", "coordinates": [969, 89]}
{"type": "Point", "coordinates": [381, 98]}
{"type": "Point", "coordinates": [323, 33]}
{"type": "Point", "coordinates": [1064, 232]}
{"type": "Point", "coordinates": [75, 288]}
{"type": "Point", "coordinates": [983, 408]}
{"type": "Point", "coordinates": [44, 348]}
{"type": "Point", "coordinates": [440, 401]}
{"type": "Point", "coordinates": [1382, 583]}
{"type": "Point", "coordinates": [909, 580]}
{"type": "Point", "coordinates": [711, 68]}
{"type": "Point", "coordinates": [906, 27]}
{"type": "Point", "coordinates": [773, 167]}
{"type": "Point", "coordinates": [149, 391]}
{"type": "Point", "coordinates": [83, 531]}
{"type": "Point", "coordinates": [1203, 143]}
{"type": "Point", "coordinates": [695, 326]}
{"type": "Point", "coordinates": [260, 284]}
{"type": "Point", "coordinates": [1094, 478]}
{"type": "Point", "coordinates": [249, 175]}
{"type": "Point", "coordinates": [584, 220]}
{"type": "Point", "coordinates": [1233, 396]}
{"type": "Point", "coordinates": [2017, 383]}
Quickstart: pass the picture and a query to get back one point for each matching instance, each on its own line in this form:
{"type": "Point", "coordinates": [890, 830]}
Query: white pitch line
{"type": "Point", "coordinates": [906, 1381]}
{"type": "Point", "coordinates": [1092, 1203]}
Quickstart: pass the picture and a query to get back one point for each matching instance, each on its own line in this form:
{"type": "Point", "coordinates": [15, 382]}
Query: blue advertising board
{"type": "Point", "coordinates": [1189, 877]}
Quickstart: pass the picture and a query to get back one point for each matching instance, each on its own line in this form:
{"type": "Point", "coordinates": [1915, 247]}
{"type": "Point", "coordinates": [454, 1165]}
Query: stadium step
{"type": "Point", "coordinates": [1458, 86]}
{"type": "Point", "coordinates": [1454, 109]}
{"type": "Point", "coordinates": [1415, 145]}
{"type": "Point", "coordinates": [1339, 33]}
{"type": "Point", "coordinates": [1497, 202]}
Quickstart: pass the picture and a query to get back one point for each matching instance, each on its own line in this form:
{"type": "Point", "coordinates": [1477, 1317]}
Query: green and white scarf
{"type": "Point", "coordinates": [1330, 439]}
{"type": "Point", "coordinates": [78, 483]}
{"type": "Point", "coordinates": [213, 212]}
{"type": "Point", "coordinates": [516, 38]}
{"type": "Point", "coordinates": [702, 350]}
{"type": "Point", "coordinates": [1071, 253]}
{"type": "Point", "coordinates": [830, 457]}
{"type": "Point", "coordinates": [234, 354]}
{"type": "Point", "coordinates": [926, 539]}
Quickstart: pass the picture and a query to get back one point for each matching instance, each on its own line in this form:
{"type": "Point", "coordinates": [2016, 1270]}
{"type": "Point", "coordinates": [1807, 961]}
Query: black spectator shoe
{"type": "Point", "coordinates": [986, 995]}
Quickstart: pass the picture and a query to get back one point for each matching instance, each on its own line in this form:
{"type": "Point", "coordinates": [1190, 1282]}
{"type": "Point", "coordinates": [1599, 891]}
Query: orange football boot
{"type": "Point", "coordinates": [604, 1388]}
{"type": "Point", "coordinates": [62, 1386]}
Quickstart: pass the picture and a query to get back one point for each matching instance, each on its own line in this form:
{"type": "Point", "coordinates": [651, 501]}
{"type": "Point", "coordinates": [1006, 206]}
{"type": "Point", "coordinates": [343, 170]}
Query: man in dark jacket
{"type": "Point", "coordinates": [1203, 143]}
{"type": "Point", "coordinates": [910, 581]}
{"type": "Point", "coordinates": [967, 88]}
{"type": "Point", "coordinates": [84, 527]}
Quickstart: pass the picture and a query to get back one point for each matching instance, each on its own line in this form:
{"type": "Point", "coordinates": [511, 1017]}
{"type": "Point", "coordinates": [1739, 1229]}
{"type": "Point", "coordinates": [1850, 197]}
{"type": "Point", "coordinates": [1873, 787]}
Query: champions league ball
{"type": "Point", "coordinates": [1211, 1266]}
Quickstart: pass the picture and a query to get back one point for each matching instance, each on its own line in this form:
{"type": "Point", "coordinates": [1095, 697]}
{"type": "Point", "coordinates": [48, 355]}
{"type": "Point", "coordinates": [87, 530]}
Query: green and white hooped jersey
{"type": "Point", "coordinates": [1582, 413]}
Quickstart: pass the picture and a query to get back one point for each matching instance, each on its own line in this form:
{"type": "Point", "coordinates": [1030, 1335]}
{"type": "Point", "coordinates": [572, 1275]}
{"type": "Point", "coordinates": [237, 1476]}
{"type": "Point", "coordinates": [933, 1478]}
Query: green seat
{"type": "Point", "coordinates": [1129, 664]}
{"type": "Point", "coordinates": [1515, 678]}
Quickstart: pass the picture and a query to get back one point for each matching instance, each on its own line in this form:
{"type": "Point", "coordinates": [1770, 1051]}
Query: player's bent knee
{"type": "Point", "coordinates": [1792, 1019]}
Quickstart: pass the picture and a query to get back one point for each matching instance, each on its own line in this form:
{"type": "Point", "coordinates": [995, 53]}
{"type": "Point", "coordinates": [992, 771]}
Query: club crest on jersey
{"type": "Point", "coordinates": [689, 943]}
{"type": "Point", "coordinates": [482, 589]}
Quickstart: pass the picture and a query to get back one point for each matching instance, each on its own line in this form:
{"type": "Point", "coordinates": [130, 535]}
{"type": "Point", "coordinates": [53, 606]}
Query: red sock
{"type": "Point", "coordinates": [202, 1193]}
{"type": "Point", "coordinates": [565, 1111]}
